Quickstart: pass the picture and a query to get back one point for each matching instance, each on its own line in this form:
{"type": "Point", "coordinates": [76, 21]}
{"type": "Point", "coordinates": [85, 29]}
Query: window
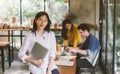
{"type": "Point", "coordinates": [29, 9]}
{"type": "Point", "coordinates": [8, 10]}
{"type": "Point", "coordinates": [24, 10]}
{"type": "Point", "coordinates": [56, 10]}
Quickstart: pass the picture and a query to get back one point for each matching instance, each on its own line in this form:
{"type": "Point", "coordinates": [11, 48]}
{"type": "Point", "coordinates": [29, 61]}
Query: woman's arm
{"type": "Point", "coordinates": [38, 62]}
{"type": "Point", "coordinates": [24, 49]}
{"type": "Point", "coordinates": [52, 53]}
{"type": "Point", "coordinates": [51, 61]}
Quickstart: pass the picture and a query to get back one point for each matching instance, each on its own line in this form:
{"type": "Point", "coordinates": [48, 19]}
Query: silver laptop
{"type": "Point", "coordinates": [39, 51]}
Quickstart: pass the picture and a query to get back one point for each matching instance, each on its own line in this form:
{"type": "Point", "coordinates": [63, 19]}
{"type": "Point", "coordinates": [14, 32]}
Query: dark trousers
{"type": "Point", "coordinates": [55, 71]}
{"type": "Point", "coordinates": [81, 63]}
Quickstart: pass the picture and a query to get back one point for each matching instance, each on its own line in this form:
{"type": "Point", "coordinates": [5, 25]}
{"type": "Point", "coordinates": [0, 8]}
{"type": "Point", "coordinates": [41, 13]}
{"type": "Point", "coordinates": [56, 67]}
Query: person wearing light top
{"type": "Point", "coordinates": [40, 33]}
{"type": "Point", "coordinates": [70, 34]}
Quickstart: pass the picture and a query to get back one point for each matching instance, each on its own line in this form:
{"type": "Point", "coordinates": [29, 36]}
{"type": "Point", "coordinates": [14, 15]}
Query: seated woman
{"type": "Point", "coordinates": [70, 34]}
{"type": "Point", "coordinates": [89, 48]}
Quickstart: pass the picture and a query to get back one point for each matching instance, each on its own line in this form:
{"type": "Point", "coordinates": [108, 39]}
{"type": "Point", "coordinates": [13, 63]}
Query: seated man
{"type": "Point", "coordinates": [89, 48]}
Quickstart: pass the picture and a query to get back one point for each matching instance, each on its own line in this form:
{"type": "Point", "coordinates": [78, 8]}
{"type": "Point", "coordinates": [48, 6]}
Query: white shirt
{"type": "Point", "coordinates": [48, 40]}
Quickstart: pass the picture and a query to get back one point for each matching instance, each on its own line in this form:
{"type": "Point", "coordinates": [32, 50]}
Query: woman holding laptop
{"type": "Point", "coordinates": [40, 33]}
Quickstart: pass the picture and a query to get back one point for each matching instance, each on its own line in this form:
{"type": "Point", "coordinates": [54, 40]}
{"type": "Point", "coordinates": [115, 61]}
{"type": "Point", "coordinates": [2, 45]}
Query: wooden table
{"type": "Point", "coordinates": [4, 45]}
{"type": "Point", "coordinates": [68, 69]}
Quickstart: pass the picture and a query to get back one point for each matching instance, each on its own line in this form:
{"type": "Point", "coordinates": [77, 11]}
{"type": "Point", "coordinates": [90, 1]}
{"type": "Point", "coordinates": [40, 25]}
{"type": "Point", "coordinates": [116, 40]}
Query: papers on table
{"type": "Point", "coordinates": [65, 60]}
{"type": "Point", "coordinates": [64, 63]}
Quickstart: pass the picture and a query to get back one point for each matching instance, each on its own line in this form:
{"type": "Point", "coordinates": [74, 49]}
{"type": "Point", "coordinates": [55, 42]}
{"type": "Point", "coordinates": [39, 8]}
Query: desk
{"type": "Point", "coordinates": [3, 45]}
{"type": "Point", "coordinates": [68, 69]}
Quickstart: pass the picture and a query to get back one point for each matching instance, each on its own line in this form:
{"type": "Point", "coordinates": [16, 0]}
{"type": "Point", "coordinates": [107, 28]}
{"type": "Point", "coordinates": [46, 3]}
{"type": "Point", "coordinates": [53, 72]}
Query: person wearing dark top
{"type": "Point", "coordinates": [89, 47]}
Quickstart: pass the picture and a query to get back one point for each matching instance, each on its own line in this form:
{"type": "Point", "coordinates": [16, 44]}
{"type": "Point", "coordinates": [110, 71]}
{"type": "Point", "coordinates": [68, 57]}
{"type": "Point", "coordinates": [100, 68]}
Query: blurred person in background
{"type": "Point", "coordinates": [70, 34]}
{"type": "Point", "coordinates": [89, 48]}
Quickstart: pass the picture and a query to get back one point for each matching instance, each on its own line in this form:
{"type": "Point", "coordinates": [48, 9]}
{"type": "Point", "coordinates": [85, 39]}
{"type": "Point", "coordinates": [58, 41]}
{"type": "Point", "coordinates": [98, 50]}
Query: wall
{"type": "Point", "coordinates": [85, 11]}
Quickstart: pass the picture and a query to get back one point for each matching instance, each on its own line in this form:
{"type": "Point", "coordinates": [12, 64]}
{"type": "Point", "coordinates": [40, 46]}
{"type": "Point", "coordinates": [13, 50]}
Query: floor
{"type": "Point", "coordinates": [18, 67]}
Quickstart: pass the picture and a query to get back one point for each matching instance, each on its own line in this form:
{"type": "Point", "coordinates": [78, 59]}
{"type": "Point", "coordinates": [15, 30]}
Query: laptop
{"type": "Point", "coordinates": [39, 51]}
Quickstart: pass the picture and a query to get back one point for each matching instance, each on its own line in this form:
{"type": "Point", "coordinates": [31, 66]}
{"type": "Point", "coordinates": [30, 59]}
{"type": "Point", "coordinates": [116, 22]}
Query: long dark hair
{"type": "Point", "coordinates": [64, 30]}
{"type": "Point", "coordinates": [38, 15]}
{"type": "Point", "coordinates": [88, 27]}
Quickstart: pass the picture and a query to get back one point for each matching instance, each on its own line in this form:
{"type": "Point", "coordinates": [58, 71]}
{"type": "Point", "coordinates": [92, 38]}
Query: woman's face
{"type": "Point", "coordinates": [68, 26]}
{"type": "Point", "coordinates": [42, 22]}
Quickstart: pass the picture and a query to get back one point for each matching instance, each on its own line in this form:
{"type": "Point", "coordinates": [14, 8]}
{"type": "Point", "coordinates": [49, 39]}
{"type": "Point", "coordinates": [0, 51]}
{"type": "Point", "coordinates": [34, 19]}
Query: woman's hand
{"type": "Point", "coordinates": [32, 60]}
{"type": "Point", "coordinates": [48, 71]}
{"type": "Point", "coordinates": [38, 62]}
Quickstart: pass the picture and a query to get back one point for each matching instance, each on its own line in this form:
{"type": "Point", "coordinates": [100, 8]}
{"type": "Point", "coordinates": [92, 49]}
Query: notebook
{"type": "Point", "coordinates": [39, 51]}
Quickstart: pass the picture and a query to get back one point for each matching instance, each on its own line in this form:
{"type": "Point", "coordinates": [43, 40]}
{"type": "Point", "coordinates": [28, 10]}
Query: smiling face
{"type": "Point", "coordinates": [41, 22]}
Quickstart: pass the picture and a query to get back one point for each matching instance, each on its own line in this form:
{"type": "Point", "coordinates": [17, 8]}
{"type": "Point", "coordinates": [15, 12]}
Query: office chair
{"type": "Point", "coordinates": [89, 66]}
